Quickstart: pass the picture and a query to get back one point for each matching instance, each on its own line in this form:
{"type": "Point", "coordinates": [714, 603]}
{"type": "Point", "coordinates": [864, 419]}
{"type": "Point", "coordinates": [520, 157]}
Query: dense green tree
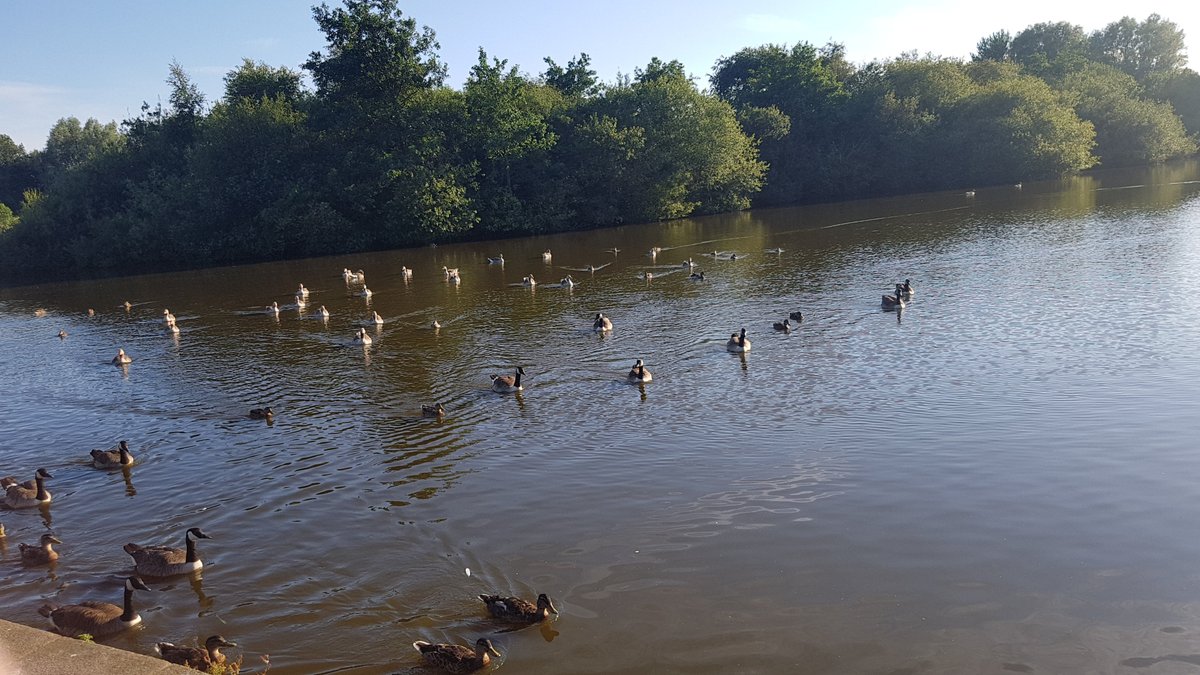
{"type": "Point", "coordinates": [255, 80]}
{"type": "Point", "coordinates": [577, 79]}
{"type": "Point", "coordinates": [1140, 49]}
{"type": "Point", "coordinates": [18, 171]}
{"type": "Point", "coordinates": [994, 47]}
{"type": "Point", "coordinates": [1050, 49]}
{"type": "Point", "coordinates": [70, 144]}
{"type": "Point", "coordinates": [1180, 88]}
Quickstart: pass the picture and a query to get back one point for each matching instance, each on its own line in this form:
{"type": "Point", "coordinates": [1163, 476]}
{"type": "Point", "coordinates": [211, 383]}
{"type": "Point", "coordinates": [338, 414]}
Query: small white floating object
{"type": "Point", "coordinates": [468, 571]}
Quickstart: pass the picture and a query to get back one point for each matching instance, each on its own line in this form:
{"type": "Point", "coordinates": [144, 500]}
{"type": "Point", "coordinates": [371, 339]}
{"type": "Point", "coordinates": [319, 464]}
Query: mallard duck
{"type": "Point", "coordinates": [498, 260]}
{"type": "Point", "coordinates": [602, 323]}
{"type": "Point", "coordinates": [165, 561]}
{"type": "Point", "coordinates": [507, 384]}
{"type": "Point", "coordinates": [98, 619]}
{"type": "Point", "coordinates": [273, 308]}
{"type": "Point", "coordinates": [62, 335]}
{"type": "Point", "coordinates": [118, 456]}
{"type": "Point", "coordinates": [785, 325]}
{"type": "Point", "coordinates": [457, 658]}
{"type": "Point", "coordinates": [121, 358]}
{"type": "Point", "coordinates": [529, 281]}
{"type": "Point", "coordinates": [262, 413]}
{"type": "Point", "coordinates": [796, 316]}
{"type": "Point", "coordinates": [198, 658]}
{"type": "Point", "coordinates": [323, 313]}
{"type": "Point", "coordinates": [42, 553]}
{"type": "Point", "coordinates": [547, 256]}
{"type": "Point", "coordinates": [365, 293]}
{"type": "Point", "coordinates": [516, 609]}
{"type": "Point", "coordinates": [738, 342]}
{"type": "Point", "coordinates": [435, 410]}
{"type": "Point", "coordinates": [24, 495]}
{"type": "Point", "coordinates": [376, 319]}
{"type": "Point", "coordinates": [697, 276]}
{"type": "Point", "coordinates": [362, 338]}
{"type": "Point", "coordinates": [639, 373]}
{"type": "Point", "coordinates": [302, 292]}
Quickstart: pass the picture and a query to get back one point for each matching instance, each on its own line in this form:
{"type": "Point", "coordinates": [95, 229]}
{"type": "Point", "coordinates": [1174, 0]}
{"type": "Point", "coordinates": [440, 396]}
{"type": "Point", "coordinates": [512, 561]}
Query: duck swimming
{"type": "Point", "coordinates": [435, 410]}
{"type": "Point", "coordinates": [98, 619]}
{"type": "Point", "coordinates": [42, 553]}
{"type": "Point", "coordinates": [405, 273]}
{"type": "Point", "coordinates": [547, 255]}
{"type": "Point", "coordinates": [894, 301]}
{"type": "Point", "coordinates": [785, 326]}
{"type": "Point", "coordinates": [165, 561]}
{"type": "Point", "coordinates": [378, 320]}
{"type": "Point", "coordinates": [697, 276]}
{"type": "Point", "coordinates": [738, 342]}
{"type": "Point", "coordinates": [567, 282]}
{"type": "Point", "coordinates": [273, 308]}
{"type": "Point", "coordinates": [517, 609]}
{"type": "Point", "coordinates": [639, 373]}
{"type": "Point", "coordinates": [302, 292]}
{"type": "Point", "coordinates": [602, 324]}
{"type": "Point", "coordinates": [457, 659]}
{"type": "Point", "coordinates": [323, 313]}
{"type": "Point", "coordinates": [796, 316]}
{"type": "Point", "coordinates": [362, 338]}
{"type": "Point", "coordinates": [197, 658]}
{"type": "Point", "coordinates": [262, 413]}
{"type": "Point", "coordinates": [107, 459]}
{"type": "Point", "coordinates": [498, 260]}
{"type": "Point", "coordinates": [122, 358]}
{"type": "Point", "coordinates": [508, 384]}
{"type": "Point", "coordinates": [365, 293]}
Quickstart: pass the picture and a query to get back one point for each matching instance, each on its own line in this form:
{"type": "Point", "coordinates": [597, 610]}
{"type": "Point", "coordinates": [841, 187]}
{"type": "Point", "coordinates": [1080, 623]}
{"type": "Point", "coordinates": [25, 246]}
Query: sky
{"type": "Point", "coordinates": [83, 58]}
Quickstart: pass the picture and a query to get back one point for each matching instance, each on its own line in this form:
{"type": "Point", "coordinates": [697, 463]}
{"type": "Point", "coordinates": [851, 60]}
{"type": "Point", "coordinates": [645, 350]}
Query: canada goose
{"type": "Point", "coordinates": [323, 313]}
{"type": "Point", "coordinates": [362, 338]}
{"type": "Point", "coordinates": [894, 301]}
{"type": "Point", "coordinates": [498, 260]}
{"type": "Point", "coordinates": [547, 256]}
{"type": "Point", "coordinates": [516, 609]}
{"type": "Point", "coordinates": [602, 323]}
{"type": "Point", "coordinates": [639, 373]}
{"type": "Point", "coordinates": [378, 320]}
{"type": "Point", "coordinates": [62, 335]}
{"type": "Point", "coordinates": [24, 495]}
{"type": "Point", "coordinates": [365, 292]}
{"type": "Point", "coordinates": [121, 358]}
{"type": "Point", "coordinates": [738, 342]}
{"type": "Point", "coordinates": [654, 251]}
{"type": "Point", "coordinates": [908, 290]}
{"type": "Point", "coordinates": [302, 292]}
{"type": "Point", "coordinates": [457, 659]}
{"type": "Point", "coordinates": [785, 326]}
{"type": "Point", "coordinates": [435, 410]}
{"type": "Point", "coordinates": [687, 264]}
{"type": "Point", "coordinates": [697, 276]}
{"type": "Point", "coordinates": [647, 275]}
{"type": "Point", "coordinates": [567, 282]}
{"type": "Point", "coordinates": [796, 316]}
{"type": "Point", "coordinates": [198, 658]}
{"type": "Point", "coordinates": [301, 302]}
{"type": "Point", "coordinates": [42, 553]}
{"type": "Point", "coordinates": [436, 325]}
{"type": "Point", "coordinates": [273, 308]}
{"type": "Point", "coordinates": [507, 384]}
{"type": "Point", "coordinates": [405, 273]}
{"type": "Point", "coordinates": [119, 456]}
{"type": "Point", "coordinates": [262, 413]}
{"type": "Point", "coordinates": [98, 619]}
{"type": "Point", "coordinates": [164, 561]}
{"type": "Point", "coordinates": [529, 281]}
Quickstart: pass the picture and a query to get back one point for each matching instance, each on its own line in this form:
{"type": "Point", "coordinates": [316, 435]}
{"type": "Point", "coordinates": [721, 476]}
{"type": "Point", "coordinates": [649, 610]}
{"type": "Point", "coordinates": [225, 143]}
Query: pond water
{"type": "Point", "coordinates": [1000, 478]}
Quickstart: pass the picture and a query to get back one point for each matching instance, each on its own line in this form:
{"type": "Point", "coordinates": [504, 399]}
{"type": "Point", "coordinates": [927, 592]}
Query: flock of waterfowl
{"type": "Point", "coordinates": [102, 619]}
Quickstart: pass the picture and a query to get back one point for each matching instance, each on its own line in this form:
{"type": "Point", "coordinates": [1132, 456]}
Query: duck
{"type": "Point", "coordinates": [647, 275]}
{"type": "Point", "coordinates": [362, 338]}
{"type": "Point", "coordinates": [24, 495]}
{"type": "Point", "coordinates": [908, 290]}
{"type": "Point", "coordinates": [376, 319]}
{"type": "Point", "coordinates": [785, 325]}
{"type": "Point", "coordinates": [121, 358]}
{"type": "Point", "coordinates": [774, 250]}
{"type": "Point", "coordinates": [796, 316]}
{"type": "Point", "coordinates": [365, 293]}
{"type": "Point", "coordinates": [360, 276]}
{"type": "Point", "coordinates": [62, 335]}
{"type": "Point", "coordinates": [436, 325]}
{"type": "Point", "coordinates": [42, 553]}
{"type": "Point", "coordinates": [128, 305]}
{"type": "Point", "coordinates": [435, 410]}
{"type": "Point", "coordinates": [529, 281]}
{"type": "Point", "coordinates": [687, 264]}
{"type": "Point", "coordinates": [98, 619]}
{"type": "Point", "coordinates": [273, 308]}
{"type": "Point", "coordinates": [262, 413]}
{"type": "Point", "coordinates": [119, 456]}
{"type": "Point", "coordinates": [567, 282]}
{"type": "Point", "coordinates": [198, 658]}
{"type": "Point", "coordinates": [969, 193]}
{"type": "Point", "coordinates": [697, 276]}
{"type": "Point", "coordinates": [1017, 186]}
{"type": "Point", "coordinates": [507, 384]}
{"type": "Point", "coordinates": [547, 255]}
{"type": "Point", "coordinates": [602, 324]}
{"type": "Point", "coordinates": [323, 313]}
{"type": "Point", "coordinates": [449, 273]}
{"type": "Point", "coordinates": [406, 273]}
{"type": "Point", "coordinates": [457, 659]}
{"type": "Point", "coordinates": [301, 301]}
{"type": "Point", "coordinates": [654, 251]}
{"type": "Point", "coordinates": [302, 292]}
{"type": "Point", "coordinates": [516, 609]}
{"type": "Point", "coordinates": [168, 317]}
{"type": "Point", "coordinates": [738, 342]}
{"type": "Point", "coordinates": [39, 313]}
{"type": "Point", "coordinates": [498, 260]}
{"type": "Point", "coordinates": [638, 374]}
{"type": "Point", "coordinates": [91, 312]}
{"type": "Point", "coordinates": [165, 561]}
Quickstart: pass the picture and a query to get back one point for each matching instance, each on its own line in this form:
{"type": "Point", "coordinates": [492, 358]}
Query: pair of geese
{"type": "Point", "coordinates": [898, 300]}
{"type": "Point", "coordinates": [457, 659]}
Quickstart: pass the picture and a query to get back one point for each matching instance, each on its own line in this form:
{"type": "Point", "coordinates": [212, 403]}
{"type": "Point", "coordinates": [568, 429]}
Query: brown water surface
{"type": "Point", "coordinates": [1002, 478]}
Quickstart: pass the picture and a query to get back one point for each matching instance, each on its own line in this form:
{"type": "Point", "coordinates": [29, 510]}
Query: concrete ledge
{"type": "Point", "coordinates": [29, 651]}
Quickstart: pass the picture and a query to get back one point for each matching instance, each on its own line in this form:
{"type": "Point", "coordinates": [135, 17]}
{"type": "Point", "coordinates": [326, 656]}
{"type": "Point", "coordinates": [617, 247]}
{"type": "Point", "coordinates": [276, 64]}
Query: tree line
{"type": "Point", "coordinates": [380, 153]}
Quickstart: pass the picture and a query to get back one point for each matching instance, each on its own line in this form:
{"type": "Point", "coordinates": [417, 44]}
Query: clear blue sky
{"type": "Point", "coordinates": [84, 58]}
